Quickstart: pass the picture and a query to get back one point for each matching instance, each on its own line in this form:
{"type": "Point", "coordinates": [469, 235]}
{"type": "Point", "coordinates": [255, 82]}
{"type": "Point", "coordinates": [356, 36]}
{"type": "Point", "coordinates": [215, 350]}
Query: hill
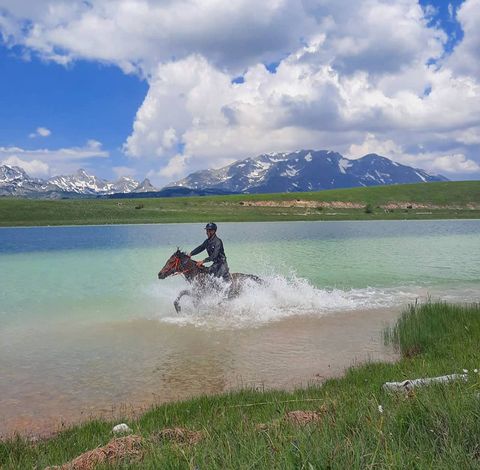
{"type": "Point", "coordinates": [413, 201]}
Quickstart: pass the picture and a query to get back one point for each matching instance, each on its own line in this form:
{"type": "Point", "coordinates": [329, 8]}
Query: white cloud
{"type": "Point", "coordinates": [351, 76]}
{"type": "Point", "coordinates": [56, 161]}
{"type": "Point", "coordinates": [304, 104]}
{"type": "Point", "coordinates": [466, 57]}
{"type": "Point", "coordinates": [123, 171]}
{"type": "Point", "coordinates": [40, 132]}
{"type": "Point", "coordinates": [35, 168]}
{"type": "Point", "coordinates": [372, 145]}
{"type": "Point", "coordinates": [142, 33]}
{"type": "Point", "coordinates": [435, 162]}
{"type": "Point", "coordinates": [176, 167]}
{"type": "Point", "coordinates": [456, 163]}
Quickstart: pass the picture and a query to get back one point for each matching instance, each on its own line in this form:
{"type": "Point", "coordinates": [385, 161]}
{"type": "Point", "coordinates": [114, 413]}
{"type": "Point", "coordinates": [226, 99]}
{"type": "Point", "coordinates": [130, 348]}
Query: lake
{"type": "Point", "coordinates": [86, 328]}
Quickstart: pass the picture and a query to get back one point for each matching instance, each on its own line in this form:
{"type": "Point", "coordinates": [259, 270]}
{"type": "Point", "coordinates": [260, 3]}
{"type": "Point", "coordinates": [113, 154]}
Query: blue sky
{"type": "Point", "coordinates": [160, 90]}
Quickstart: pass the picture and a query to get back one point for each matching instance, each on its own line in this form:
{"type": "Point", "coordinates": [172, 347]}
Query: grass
{"type": "Point", "coordinates": [447, 200]}
{"type": "Point", "coordinates": [432, 427]}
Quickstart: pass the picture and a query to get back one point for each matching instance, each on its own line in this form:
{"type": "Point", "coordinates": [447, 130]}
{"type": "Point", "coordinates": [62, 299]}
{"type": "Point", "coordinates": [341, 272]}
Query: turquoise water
{"type": "Point", "coordinates": [86, 323]}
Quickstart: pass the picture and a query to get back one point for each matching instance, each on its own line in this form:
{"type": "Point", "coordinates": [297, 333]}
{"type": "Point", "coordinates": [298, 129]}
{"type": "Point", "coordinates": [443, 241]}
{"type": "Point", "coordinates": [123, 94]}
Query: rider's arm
{"type": "Point", "coordinates": [199, 248]}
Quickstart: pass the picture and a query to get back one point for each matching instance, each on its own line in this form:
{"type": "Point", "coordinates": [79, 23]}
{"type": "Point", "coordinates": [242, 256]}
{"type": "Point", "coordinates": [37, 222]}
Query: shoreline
{"type": "Point", "coordinates": [237, 222]}
{"type": "Point", "coordinates": [359, 332]}
{"type": "Point", "coordinates": [346, 422]}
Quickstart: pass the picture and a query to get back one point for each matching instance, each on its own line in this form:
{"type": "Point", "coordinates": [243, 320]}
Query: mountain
{"type": "Point", "coordinates": [144, 187]}
{"type": "Point", "coordinates": [14, 181]}
{"type": "Point", "coordinates": [304, 170]}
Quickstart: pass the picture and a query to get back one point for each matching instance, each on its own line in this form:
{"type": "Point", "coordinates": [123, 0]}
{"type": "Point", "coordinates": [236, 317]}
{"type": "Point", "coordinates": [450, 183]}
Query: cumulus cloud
{"type": "Point", "coordinates": [466, 57]}
{"type": "Point", "coordinates": [35, 168]}
{"type": "Point", "coordinates": [40, 132]}
{"type": "Point", "coordinates": [48, 161]}
{"type": "Point", "coordinates": [175, 168]}
{"type": "Point", "coordinates": [372, 145]}
{"type": "Point", "coordinates": [123, 171]}
{"type": "Point", "coordinates": [435, 162]}
{"type": "Point", "coordinates": [142, 33]}
{"type": "Point", "coordinates": [304, 104]}
{"type": "Point", "coordinates": [356, 77]}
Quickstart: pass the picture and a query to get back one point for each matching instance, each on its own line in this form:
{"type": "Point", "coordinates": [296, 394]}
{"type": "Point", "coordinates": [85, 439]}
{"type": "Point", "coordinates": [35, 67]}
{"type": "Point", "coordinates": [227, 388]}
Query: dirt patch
{"type": "Point", "coordinates": [304, 204]}
{"type": "Point", "coordinates": [353, 205]}
{"type": "Point", "coordinates": [118, 449]}
{"type": "Point", "coordinates": [178, 436]}
{"type": "Point", "coordinates": [412, 351]}
{"type": "Point", "coordinates": [302, 417]}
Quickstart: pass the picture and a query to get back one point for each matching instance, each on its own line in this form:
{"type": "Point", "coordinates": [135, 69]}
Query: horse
{"type": "Point", "coordinates": [200, 278]}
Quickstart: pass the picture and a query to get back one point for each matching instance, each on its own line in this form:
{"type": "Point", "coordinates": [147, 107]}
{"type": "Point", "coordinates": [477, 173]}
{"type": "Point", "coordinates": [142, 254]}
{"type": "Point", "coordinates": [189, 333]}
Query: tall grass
{"type": "Point", "coordinates": [359, 424]}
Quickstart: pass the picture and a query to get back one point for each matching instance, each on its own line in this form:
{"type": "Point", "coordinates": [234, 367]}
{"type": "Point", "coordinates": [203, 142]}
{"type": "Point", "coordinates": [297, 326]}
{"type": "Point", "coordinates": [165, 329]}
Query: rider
{"type": "Point", "coordinates": [214, 247]}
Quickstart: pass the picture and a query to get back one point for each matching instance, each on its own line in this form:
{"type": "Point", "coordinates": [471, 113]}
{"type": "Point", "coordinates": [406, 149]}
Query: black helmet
{"type": "Point", "coordinates": [211, 226]}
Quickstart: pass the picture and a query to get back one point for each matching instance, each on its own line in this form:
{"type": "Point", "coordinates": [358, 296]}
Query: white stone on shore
{"type": "Point", "coordinates": [407, 385]}
{"type": "Point", "coordinates": [121, 429]}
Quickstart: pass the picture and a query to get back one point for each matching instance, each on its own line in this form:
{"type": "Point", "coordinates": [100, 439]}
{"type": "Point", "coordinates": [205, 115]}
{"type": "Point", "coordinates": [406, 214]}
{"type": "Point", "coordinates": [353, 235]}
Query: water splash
{"type": "Point", "coordinates": [278, 298]}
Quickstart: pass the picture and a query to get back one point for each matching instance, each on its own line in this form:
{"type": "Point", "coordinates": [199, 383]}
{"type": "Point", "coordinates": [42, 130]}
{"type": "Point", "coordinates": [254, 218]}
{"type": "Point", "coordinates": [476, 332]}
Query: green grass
{"type": "Point", "coordinates": [455, 200]}
{"type": "Point", "coordinates": [433, 427]}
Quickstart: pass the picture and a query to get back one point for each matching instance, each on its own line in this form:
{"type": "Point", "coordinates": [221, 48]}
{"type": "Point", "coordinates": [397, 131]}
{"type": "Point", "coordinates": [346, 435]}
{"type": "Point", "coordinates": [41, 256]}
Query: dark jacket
{"type": "Point", "coordinates": [214, 247]}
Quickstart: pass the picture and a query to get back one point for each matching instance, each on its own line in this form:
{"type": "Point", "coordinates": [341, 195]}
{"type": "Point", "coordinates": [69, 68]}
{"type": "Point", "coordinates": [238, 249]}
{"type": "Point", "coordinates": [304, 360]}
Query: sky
{"type": "Point", "coordinates": [162, 88]}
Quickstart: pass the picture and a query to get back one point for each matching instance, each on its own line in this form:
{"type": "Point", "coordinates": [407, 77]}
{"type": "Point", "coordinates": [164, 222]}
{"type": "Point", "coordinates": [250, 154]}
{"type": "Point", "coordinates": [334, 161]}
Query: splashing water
{"type": "Point", "coordinates": [279, 297]}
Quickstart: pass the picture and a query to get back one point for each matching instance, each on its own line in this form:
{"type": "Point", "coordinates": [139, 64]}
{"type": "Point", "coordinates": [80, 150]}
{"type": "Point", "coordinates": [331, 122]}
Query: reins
{"type": "Point", "coordinates": [177, 266]}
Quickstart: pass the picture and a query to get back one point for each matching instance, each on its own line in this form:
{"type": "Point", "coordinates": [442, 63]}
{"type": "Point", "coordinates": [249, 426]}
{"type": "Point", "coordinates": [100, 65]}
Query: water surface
{"type": "Point", "coordinates": [85, 324]}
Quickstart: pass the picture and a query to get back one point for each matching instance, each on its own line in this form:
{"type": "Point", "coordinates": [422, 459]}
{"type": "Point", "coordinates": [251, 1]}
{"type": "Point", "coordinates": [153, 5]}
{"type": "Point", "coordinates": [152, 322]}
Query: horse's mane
{"type": "Point", "coordinates": [180, 252]}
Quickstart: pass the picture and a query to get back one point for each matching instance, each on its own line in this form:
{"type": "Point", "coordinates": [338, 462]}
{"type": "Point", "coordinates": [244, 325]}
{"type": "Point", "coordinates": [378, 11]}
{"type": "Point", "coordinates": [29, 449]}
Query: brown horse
{"type": "Point", "coordinates": [202, 282]}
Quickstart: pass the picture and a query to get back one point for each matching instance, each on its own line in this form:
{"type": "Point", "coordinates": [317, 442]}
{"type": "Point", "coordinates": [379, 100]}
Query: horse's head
{"type": "Point", "coordinates": [175, 264]}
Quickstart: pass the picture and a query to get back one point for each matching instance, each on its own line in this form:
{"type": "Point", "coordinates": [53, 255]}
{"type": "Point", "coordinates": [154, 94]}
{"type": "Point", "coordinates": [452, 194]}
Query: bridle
{"type": "Point", "coordinates": [177, 266]}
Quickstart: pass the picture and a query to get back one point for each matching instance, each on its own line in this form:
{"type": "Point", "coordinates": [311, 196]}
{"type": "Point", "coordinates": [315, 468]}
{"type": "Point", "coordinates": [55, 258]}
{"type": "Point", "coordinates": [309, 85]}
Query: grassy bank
{"type": "Point", "coordinates": [353, 422]}
{"type": "Point", "coordinates": [413, 201]}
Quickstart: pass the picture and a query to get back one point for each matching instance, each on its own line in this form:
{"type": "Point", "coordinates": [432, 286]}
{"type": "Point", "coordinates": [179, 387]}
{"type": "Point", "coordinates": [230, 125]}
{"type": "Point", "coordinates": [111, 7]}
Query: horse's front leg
{"type": "Point", "coordinates": [176, 302]}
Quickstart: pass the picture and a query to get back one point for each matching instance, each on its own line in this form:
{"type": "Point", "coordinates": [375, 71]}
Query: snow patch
{"type": "Point", "coordinates": [344, 164]}
{"type": "Point", "coordinates": [290, 171]}
{"type": "Point", "coordinates": [421, 177]}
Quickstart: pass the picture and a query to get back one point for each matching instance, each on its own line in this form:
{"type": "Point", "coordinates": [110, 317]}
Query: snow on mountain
{"type": "Point", "coordinates": [81, 182]}
{"type": "Point", "coordinates": [305, 170]}
{"type": "Point", "coordinates": [14, 181]}
{"type": "Point", "coordinates": [144, 187]}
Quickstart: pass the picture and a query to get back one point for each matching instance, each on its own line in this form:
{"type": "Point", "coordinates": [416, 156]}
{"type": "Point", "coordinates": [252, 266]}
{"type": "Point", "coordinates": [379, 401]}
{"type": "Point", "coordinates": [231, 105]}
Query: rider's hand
{"type": "Point", "coordinates": [189, 255]}
{"type": "Point", "coordinates": [199, 264]}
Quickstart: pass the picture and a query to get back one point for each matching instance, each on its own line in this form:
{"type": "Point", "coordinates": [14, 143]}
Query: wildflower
{"type": "Point", "coordinates": [465, 371]}
{"type": "Point", "coordinates": [380, 408]}
{"type": "Point", "coordinates": [475, 370]}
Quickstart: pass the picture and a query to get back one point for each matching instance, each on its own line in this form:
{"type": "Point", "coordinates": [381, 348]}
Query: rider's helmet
{"type": "Point", "coordinates": [211, 226]}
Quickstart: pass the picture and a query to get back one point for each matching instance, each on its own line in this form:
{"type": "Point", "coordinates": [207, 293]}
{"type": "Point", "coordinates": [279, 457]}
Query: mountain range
{"type": "Point", "coordinates": [14, 181]}
{"type": "Point", "coordinates": [304, 170]}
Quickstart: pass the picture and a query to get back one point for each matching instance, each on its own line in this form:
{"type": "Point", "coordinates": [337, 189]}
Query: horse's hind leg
{"type": "Point", "coordinates": [176, 302]}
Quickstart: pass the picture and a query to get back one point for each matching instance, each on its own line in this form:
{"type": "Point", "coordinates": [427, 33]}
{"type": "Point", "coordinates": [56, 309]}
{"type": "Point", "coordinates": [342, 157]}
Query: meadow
{"type": "Point", "coordinates": [349, 422]}
{"type": "Point", "coordinates": [444, 200]}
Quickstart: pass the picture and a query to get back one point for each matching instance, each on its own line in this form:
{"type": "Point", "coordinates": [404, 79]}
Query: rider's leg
{"type": "Point", "coordinates": [223, 272]}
